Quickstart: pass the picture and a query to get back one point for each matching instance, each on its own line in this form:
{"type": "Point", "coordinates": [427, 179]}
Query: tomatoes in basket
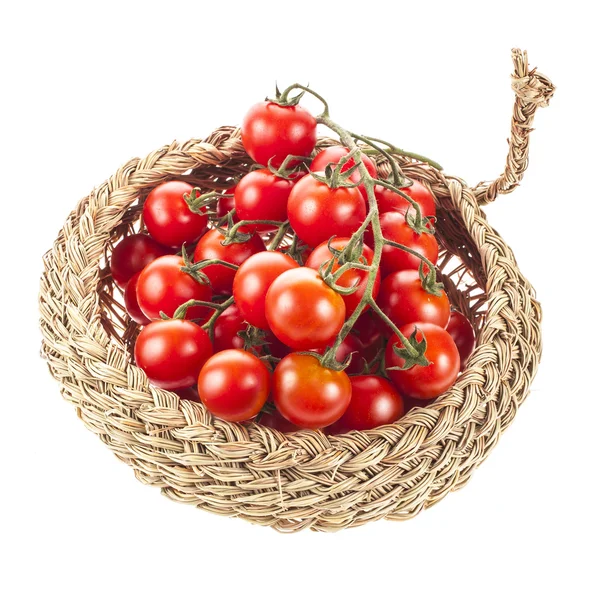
{"type": "Point", "coordinates": [390, 201]}
{"type": "Point", "coordinates": [210, 247]}
{"type": "Point", "coordinates": [132, 254]}
{"type": "Point", "coordinates": [403, 299]}
{"type": "Point", "coordinates": [321, 255]}
{"type": "Point", "coordinates": [302, 310]}
{"type": "Point", "coordinates": [375, 401]}
{"type": "Point", "coordinates": [271, 132]}
{"type": "Point", "coordinates": [333, 155]}
{"type": "Point", "coordinates": [262, 196]}
{"type": "Point", "coordinates": [131, 302]}
{"type": "Point", "coordinates": [463, 334]}
{"type": "Point", "coordinates": [163, 287]}
{"type": "Point", "coordinates": [395, 228]}
{"type": "Point", "coordinates": [317, 212]}
{"type": "Point", "coordinates": [171, 352]}
{"type": "Point", "coordinates": [234, 385]}
{"type": "Point", "coordinates": [424, 382]}
{"type": "Point", "coordinates": [168, 217]}
{"type": "Point", "coordinates": [308, 394]}
{"type": "Point", "coordinates": [252, 281]}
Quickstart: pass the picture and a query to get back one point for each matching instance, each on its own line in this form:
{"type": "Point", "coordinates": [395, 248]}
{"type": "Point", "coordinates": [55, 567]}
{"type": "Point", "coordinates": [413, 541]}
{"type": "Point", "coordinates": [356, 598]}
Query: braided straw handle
{"type": "Point", "coordinates": [532, 90]}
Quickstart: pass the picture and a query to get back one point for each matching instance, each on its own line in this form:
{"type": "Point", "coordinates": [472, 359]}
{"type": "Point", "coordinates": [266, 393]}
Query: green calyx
{"type": "Point", "coordinates": [429, 281]}
{"type": "Point", "coordinates": [412, 352]}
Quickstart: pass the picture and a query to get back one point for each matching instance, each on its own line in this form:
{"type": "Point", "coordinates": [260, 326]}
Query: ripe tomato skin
{"type": "Point", "coordinates": [163, 287]}
{"type": "Point", "coordinates": [132, 254]}
{"type": "Point", "coordinates": [321, 254]}
{"type": "Point", "coordinates": [350, 345]}
{"type": "Point", "coordinates": [370, 329]}
{"type": "Point", "coordinates": [302, 310]}
{"type": "Point", "coordinates": [210, 247]}
{"type": "Point", "coordinates": [227, 326]}
{"type": "Point", "coordinates": [424, 383]}
{"type": "Point", "coordinates": [309, 395]}
{"type": "Point", "coordinates": [172, 352]}
{"type": "Point", "coordinates": [395, 228]}
{"type": "Point", "coordinates": [375, 401]}
{"type": "Point", "coordinates": [169, 219]}
{"type": "Point", "coordinates": [317, 212]}
{"type": "Point", "coordinates": [389, 201]}
{"type": "Point", "coordinates": [252, 281]}
{"type": "Point", "coordinates": [261, 195]}
{"type": "Point", "coordinates": [272, 132]}
{"type": "Point", "coordinates": [333, 154]}
{"type": "Point", "coordinates": [463, 334]}
{"type": "Point", "coordinates": [276, 421]}
{"type": "Point", "coordinates": [234, 385]}
{"type": "Point", "coordinates": [226, 205]}
{"type": "Point", "coordinates": [404, 300]}
{"type": "Point", "coordinates": [131, 302]}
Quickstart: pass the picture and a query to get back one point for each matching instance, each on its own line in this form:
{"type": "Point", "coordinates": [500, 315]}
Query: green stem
{"type": "Point", "coordinates": [395, 150]}
{"type": "Point", "coordinates": [297, 86]}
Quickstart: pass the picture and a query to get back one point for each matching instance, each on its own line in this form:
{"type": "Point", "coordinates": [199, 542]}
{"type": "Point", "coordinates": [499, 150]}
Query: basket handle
{"type": "Point", "coordinates": [532, 90]}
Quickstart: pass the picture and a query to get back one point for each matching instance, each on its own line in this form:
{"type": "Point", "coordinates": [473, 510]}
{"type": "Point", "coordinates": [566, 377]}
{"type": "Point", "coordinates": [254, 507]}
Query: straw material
{"type": "Point", "coordinates": [303, 479]}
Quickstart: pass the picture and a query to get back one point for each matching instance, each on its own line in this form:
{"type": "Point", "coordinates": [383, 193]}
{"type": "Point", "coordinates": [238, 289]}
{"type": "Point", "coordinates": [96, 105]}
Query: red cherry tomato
{"type": "Point", "coordinates": [271, 132]}
{"type": "Point", "coordinates": [302, 310]}
{"type": "Point", "coordinates": [317, 212]}
{"type": "Point", "coordinates": [253, 279]}
{"type": "Point", "coordinates": [163, 287]}
{"type": "Point", "coordinates": [131, 302]}
{"type": "Point", "coordinates": [188, 393]}
{"type": "Point", "coordinates": [375, 401]}
{"type": "Point", "coordinates": [227, 326]}
{"type": "Point", "coordinates": [168, 217]}
{"type": "Point", "coordinates": [210, 247]}
{"type": "Point", "coordinates": [234, 385]}
{"type": "Point", "coordinates": [309, 395]}
{"type": "Point", "coordinates": [226, 205]}
{"type": "Point", "coordinates": [333, 155]}
{"type": "Point", "coordinates": [424, 383]}
{"type": "Point", "coordinates": [262, 196]}
{"type": "Point", "coordinates": [132, 254]}
{"type": "Point", "coordinates": [403, 300]}
{"type": "Point", "coordinates": [463, 334]}
{"type": "Point", "coordinates": [395, 228]}
{"type": "Point", "coordinates": [172, 352]}
{"type": "Point", "coordinates": [321, 254]}
{"type": "Point", "coordinates": [370, 329]}
{"type": "Point", "coordinates": [350, 345]}
{"type": "Point", "coordinates": [389, 201]}
{"type": "Point", "coordinates": [274, 420]}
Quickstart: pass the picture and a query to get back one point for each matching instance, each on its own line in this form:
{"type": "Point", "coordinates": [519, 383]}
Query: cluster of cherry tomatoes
{"type": "Point", "coordinates": [242, 294]}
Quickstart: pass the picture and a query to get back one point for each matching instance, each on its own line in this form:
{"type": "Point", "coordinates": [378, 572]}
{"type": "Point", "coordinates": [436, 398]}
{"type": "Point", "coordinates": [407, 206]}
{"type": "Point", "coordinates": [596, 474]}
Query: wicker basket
{"type": "Point", "coordinates": [303, 479]}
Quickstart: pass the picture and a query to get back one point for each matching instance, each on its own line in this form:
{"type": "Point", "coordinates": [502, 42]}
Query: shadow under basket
{"type": "Point", "coordinates": [302, 479]}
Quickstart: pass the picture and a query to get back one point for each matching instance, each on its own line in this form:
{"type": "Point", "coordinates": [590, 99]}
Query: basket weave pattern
{"type": "Point", "coordinates": [303, 479]}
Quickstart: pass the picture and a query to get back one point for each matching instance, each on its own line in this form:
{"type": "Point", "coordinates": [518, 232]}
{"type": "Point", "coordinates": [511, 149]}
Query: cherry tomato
{"type": "Point", "coordinates": [403, 300]}
{"type": "Point", "coordinates": [424, 383]}
{"type": "Point", "coordinates": [302, 310]}
{"type": "Point", "coordinates": [274, 420]}
{"type": "Point", "coordinates": [188, 393]}
{"type": "Point", "coordinates": [163, 287]}
{"type": "Point", "coordinates": [317, 212]}
{"type": "Point", "coordinates": [272, 132]}
{"type": "Point", "coordinates": [234, 385]}
{"type": "Point", "coordinates": [210, 247]}
{"type": "Point", "coordinates": [350, 345]}
{"type": "Point", "coordinates": [172, 352]}
{"type": "Point", "coordinates": [226, 205]}
{"type": "Point", "coordinates": [131, 302]}
{"type": "Point", "coordinates": [168, 217]}
{"type": "Point", "coordinates": [332, 156]}
{"type": "Point", "coordinates": [375, 401]}
{"type": "Point", "coordinates": [132, 254]}
{"type": "Point", "coordinates": [262, 196]}
{"type": "Point", "coordinates": [389, 201]}
{"type": "Point", "coordinates": [308, 394]}
{"type": "Point", "coordinates": [463, 334]}
{"type": "Point", "coordinates": [253, 279]}
{"type": "Point", "coordinates": [227, 326]}
{"type": "Point", "coordinates": [395, 228]}
{"type": "Point", "coordinates": [370, 329]}
{"type": "Point", "coordinates": [353, 277]}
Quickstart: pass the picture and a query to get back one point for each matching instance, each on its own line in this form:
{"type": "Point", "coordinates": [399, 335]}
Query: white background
{"type": "Point", "coordinates": [86, 86]}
